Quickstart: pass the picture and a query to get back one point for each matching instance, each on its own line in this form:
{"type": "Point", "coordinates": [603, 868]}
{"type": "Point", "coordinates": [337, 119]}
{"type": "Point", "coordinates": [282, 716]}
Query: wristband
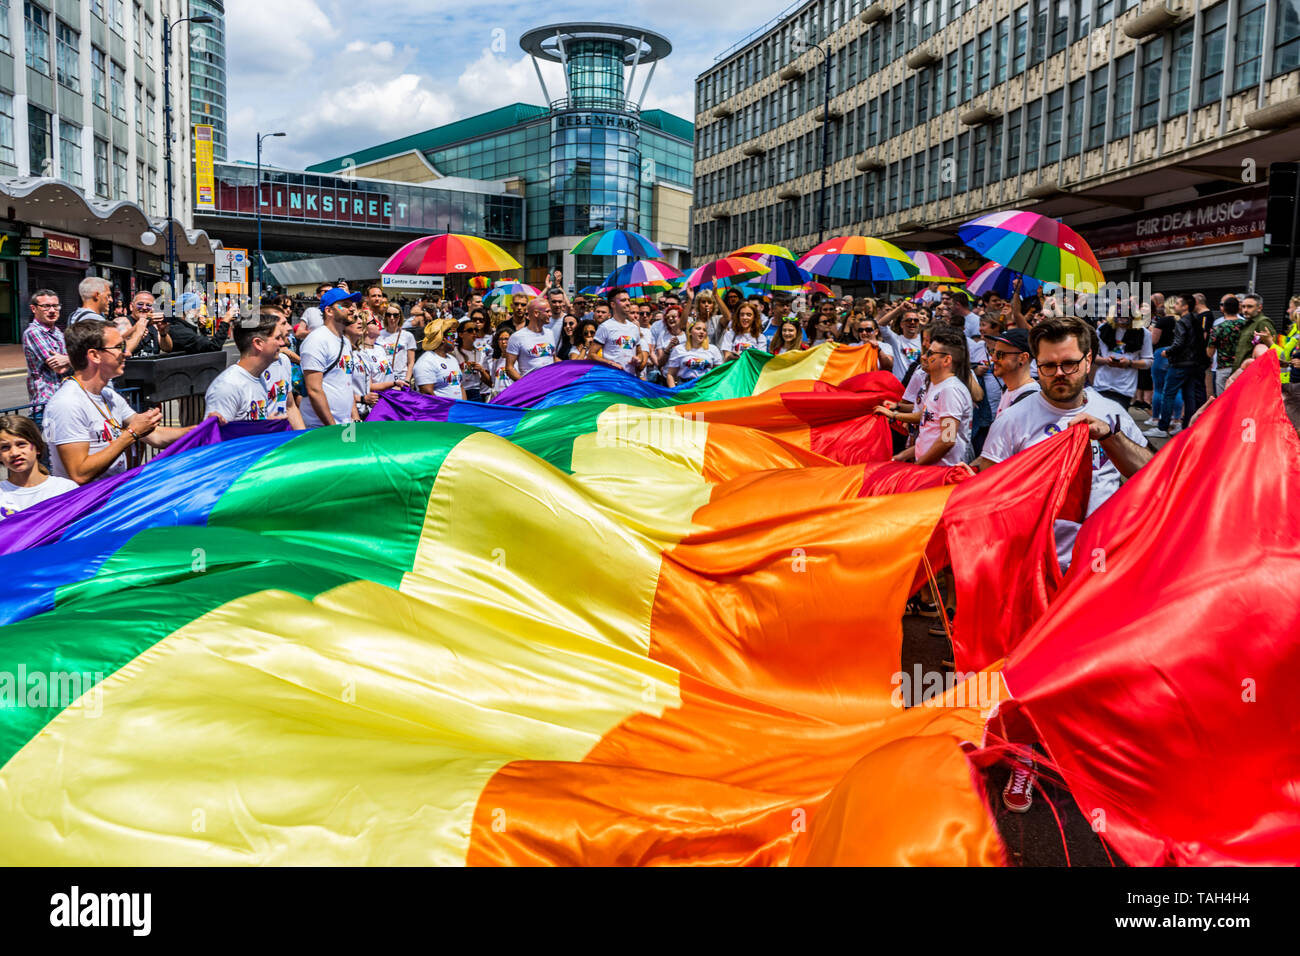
{"type": "Point", "coordinates": [134, 437]}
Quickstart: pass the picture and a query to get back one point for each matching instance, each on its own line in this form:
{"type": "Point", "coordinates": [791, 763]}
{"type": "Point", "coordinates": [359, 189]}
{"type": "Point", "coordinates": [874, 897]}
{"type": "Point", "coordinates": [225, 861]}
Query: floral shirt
{"type": "Point", "coordinates": [39, 343]}
{"type": "Point", "coordinates": [1223, 338]}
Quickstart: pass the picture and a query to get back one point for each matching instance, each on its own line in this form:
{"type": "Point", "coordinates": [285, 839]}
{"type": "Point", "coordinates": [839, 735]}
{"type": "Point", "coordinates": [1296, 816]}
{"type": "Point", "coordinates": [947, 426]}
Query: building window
{"type": "Point", "coordinates": [967, 71]}
{"type": "Point", "coordinates": [1106, 10]}
{"type": "Point", "coordinates": [953, 72]}
{"type": "Point", "coordinates": [1039, 28]}
{"type": "Point", "coordinates": [148, 39]}
{"type": "Point", "coordinates": [67, 60]}
{"type": "Point", "coordinates": [97, 8]}
{"type": "Point", "coordinates": [979, 146]}
{"type": "Point", "coordinates": [1013, 144]}
{"type": "Point", "coordinates": [139, 183]}
{"type": "Point", "coordinates": [153, 190]}
{"type": "Point", "coordinates": [101, 167]}
{"type": "Point", "coordinates": [1214, 34]}
{"type": "Point", "coordinates": [119, 174]}
{"type": "Point", "coordinates": [1033, 133]}
{"type": "Point", "coordinates": [98, 77]}
{"type": "Point", "coordinates": [995, 151]}
{"type": "Point", "coordinates": [1081, 15]}
{"type": "Point", "coordinates": [117, 89]}
{"type": "Point", "coordinates": [151, 117]}
{"type": "Point", "coordinates": [1074, 123]}
{"type": "Point", "coordinates": [137, 24]}
{"type": "Point", "coordinates": [1019, 40]}
{"type": "Point", "coordinates": [984, 75]}
{"type": "Point", "coordinates": [1248, 49]}
{"type": "Point", "coordinates": [36, 21]}
{"type": "Point", "coordinates": [40, 147]}
{"type": "Point", "coordinates": [1055, 115]}
{"type": "Point", "coordinates": [1122, 121]}
{"type": "Point", "coordinates": [119, 17]}
{"type": "Point", "coordinates": [1286, 37]}
{"type": "Point", "coordinates": [1003, 50]}
{"type": "Point", "coordinates": [1180, 70]}
{"type": "Point", "coordinates": [1060, 25]}
{"type": "Point", "coordinates": [70, 152]}
{"type": "Point", "coordinates": [6, 45]}
{"type": "Point", "coordinates": [1149, 83]}
{"type": "Point", "coordinates": [139, 108]}
{"type": "Point", "coordinates": [8, 154]}
{"type": "Point", "coordinates": [1097, 109]}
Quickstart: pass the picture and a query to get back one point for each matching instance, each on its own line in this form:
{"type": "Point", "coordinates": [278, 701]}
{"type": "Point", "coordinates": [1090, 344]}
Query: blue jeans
{"type": "Point", "coordinates": [1191, 383]}
{"type": "Point", "coordinates": [1159, 371]}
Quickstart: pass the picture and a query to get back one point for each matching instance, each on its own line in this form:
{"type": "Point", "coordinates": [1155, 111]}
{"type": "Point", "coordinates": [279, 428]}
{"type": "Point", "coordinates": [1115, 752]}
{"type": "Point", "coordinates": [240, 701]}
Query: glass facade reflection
{"type": "Point", "coordinates": [367, 204]}
{"type": "Point", "coordinates": [595, 69]}
{"type": "Point", "coordinates": [595, 173]}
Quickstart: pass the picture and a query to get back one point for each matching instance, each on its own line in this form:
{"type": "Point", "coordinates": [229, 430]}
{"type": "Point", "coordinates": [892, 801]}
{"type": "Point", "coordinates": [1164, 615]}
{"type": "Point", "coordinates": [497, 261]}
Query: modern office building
{"type": "Point", "coordinates": [81, 147]}
{"type": "Point", "coordinates": [1150, 127]}
{"type": "Point", "coordinates": [590, 159]}
{"type": "Point", "coordinates": [208, 72]}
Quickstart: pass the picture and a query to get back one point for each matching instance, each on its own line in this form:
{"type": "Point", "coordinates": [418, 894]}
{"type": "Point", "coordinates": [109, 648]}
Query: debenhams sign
{"type": "Point", "coordinates": [603, 120]}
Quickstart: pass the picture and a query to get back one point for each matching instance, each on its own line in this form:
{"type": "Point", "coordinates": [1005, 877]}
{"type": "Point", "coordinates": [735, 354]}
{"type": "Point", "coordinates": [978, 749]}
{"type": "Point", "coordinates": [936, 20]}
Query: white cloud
{"type": "Point", "coordinates": [492, 81]}
{"type": "Point", "coordinates": [274, 37]}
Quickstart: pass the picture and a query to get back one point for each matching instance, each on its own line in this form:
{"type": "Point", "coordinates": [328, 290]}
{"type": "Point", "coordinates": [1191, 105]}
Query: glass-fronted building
{"type": "Point", "coordinates": [208, 71]}
{"type": "Point", "coordinates": [591, 159]}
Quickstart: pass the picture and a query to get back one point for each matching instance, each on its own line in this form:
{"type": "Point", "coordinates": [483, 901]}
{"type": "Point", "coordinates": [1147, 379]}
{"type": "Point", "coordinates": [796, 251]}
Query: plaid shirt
{"type": "Point", "coordinates": [39, 343]}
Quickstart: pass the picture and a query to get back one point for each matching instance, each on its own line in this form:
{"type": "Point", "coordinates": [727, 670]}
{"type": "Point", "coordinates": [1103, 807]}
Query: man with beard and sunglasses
{"type": "Point", "coordinates": [1063, 349]}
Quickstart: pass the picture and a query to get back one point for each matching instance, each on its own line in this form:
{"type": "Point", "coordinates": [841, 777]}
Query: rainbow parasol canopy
{"type": "Point", "coordinates": [617, 242]}
{"type": "Point", "coordinates": [643, 272]}
{"type": "Point", "coordinates": [760, 249]}
{"type": "Point", "coordinates": [736, 268]}
{"type": "Point", "coordinates": [448, 254]}
{"type": "Point", "coordinates": [859, 258]}
{"type": "Point", "coordinates": [992, 277]}
{"type": "Point", "coordinates": [512, 288]}
{"type": "Point", "coordinates": [936, 268]}
{"type": "Point", "coordinates": [813, 286]}
{"type": "Point", "coordinates": [480, 283]}
{"type": "Point", "coordinates": [1036, 246]}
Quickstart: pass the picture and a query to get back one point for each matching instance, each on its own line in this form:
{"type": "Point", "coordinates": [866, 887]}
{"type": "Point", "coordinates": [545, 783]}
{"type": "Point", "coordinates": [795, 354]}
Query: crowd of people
{"type": "Point", "coordinates": [981, 379]}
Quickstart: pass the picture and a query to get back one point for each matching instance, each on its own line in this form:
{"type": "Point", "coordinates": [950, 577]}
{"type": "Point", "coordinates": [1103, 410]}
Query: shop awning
{"type": "Point", "coordinates": [54, 204]}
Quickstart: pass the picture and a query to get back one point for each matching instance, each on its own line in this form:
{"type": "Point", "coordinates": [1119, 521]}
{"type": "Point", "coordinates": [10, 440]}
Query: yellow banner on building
{"type": "Point", "coordinates": [205, 189]}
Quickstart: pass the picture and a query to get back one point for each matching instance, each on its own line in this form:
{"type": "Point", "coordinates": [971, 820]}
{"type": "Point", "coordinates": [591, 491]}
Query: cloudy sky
{"type": "Point", "coordinates": [337, 76]}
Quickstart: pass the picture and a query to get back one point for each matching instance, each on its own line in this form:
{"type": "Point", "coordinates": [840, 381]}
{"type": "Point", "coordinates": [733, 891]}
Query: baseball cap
{"type": "Point", "coordinates": [335, 296]}
{"type": "Point", "coordinates": [1018, 339]}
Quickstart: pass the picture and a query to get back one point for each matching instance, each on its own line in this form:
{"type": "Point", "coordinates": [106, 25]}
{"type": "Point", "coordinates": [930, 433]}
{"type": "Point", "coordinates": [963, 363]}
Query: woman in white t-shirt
{"type": "Point", "coordinates": [1122, 352]}
{"type": "Point", "coordinates": [28, 483]}
{"type": "Point", "coordinates": [437, 372]}
{"type": "Point", "coordinates": [472, 359]}
{"type": "Point", "coordinates": [745, 332]}
{"type": "Point", "coordinates": [496, 363]}
{"type": "Point", "coordinates": [694, 359]}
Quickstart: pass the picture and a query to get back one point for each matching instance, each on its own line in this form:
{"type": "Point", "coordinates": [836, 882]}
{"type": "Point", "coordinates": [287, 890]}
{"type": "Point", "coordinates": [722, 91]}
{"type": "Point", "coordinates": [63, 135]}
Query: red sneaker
{"type": "Point", "coordinates": [1018, 794]}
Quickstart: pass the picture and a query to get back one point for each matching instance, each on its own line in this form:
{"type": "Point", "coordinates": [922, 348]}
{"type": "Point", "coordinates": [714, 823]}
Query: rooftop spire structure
{"type": "Point", "coordinates": [601, 63]}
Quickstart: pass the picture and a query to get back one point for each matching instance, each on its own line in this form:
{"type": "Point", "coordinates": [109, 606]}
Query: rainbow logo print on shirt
{"type": "Point", "coordinates": [627, 343]}
{"type": "Point", "coordinates": [697, 363]}
{"type": "Point", "coordinates": [541, 350]}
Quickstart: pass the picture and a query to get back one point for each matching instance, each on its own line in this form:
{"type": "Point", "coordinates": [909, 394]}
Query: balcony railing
{"type": "Point", "coordinates": [616, 104]}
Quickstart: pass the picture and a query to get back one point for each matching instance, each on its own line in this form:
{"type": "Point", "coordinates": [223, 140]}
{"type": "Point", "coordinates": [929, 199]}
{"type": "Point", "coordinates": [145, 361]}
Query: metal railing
{"type": "Point", "coordinates": [614, 104]}
{"type": "Point", "coordinates": [36, 410]}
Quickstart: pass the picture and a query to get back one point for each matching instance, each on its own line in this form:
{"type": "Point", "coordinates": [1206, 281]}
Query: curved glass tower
{"type": "Point", "coordinates": [595, 127]}
{"type": "Point", "coordinates": [208, 72]}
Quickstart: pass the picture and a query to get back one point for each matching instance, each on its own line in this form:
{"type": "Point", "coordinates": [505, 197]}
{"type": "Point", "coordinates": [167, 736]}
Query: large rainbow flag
{"type": "Point", "coordinates": [414, 642]}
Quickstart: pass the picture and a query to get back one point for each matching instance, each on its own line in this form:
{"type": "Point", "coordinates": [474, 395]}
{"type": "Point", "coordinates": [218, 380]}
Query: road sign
{"type": "Point", "coordinates": [232, 265]}
{"type": "Point", "coordinates": [411, 282]}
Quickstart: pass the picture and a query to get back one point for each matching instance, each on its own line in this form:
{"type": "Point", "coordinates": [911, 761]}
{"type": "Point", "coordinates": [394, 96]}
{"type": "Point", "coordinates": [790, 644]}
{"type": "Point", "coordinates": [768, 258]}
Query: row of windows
{"type": "Point", "coordinates": [910, 24]}
{"type": "Point", "coordinates": [1133, 78]}
{"type": "Point", "coordinates": [36, 25]}
{"type": "Point", "coordinates": [1004, 51]}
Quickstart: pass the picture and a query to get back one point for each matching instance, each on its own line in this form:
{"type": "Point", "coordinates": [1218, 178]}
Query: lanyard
{"type": "Point", "coordinates": [102, 409]}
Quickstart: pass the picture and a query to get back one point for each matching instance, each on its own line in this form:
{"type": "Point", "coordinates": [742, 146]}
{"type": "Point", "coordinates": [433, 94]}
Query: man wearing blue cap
{"type": "Point", "coordinates": [327, 363]}
{"type": "Point", "coordinates": [186, 337]}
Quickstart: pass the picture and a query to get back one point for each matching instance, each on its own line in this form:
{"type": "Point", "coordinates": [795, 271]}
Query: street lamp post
{"type": "Point", "coordinates": [168, 26]}
{"type": "Point", "coordinates": [260, 137]}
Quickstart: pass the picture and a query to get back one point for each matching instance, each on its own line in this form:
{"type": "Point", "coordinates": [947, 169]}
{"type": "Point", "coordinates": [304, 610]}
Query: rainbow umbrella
{"type": "Point", "coordinates": [448, 254]}
{"type": "Point", "coordinates": [735, 268]}
{"type": "Point", "coordinates": [765, 249]}
{"type": "Point", "coordinates": [859, 258]}
{"type": "Point", "coordinates": [636, 291]}
{"type": "Point", "coordinates": [992, 277]}
{"type": "Point", "coordinates": [811, 287]}
{"type": "Point", "coordinates": [590, 290]}
{"type": "Point", "coordinates": [479, 283]}
{"type": "Point", "coordinates": [642, 272]}
{"type": "Point", "coordinates": [617, 242]}
{"type": "Point", "coordinates": [936, 268]}
{"type": "Point", "coordinates": [952, 289]}
{"type": "Point", "coordinates": [1036, 246]}
{"type": "Point", "coordinates": [513, 288]}
{"type": "Point", "coordinates": [682, 279]}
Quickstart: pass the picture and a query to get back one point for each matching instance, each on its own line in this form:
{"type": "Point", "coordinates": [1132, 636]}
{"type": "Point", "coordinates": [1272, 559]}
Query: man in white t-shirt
{"type": "Point", "coordinates": [530, 347]}
{"type": "Point", "coordinates": [88, 426]}
{"type": "Point", "coordinates": [1010, 354]}
{"type": "Point", "coordinates": [1062, 348]}
{"type": "Point", "coordinates": [327, 363]}
{"type": "Point", "coordinates": [312, 314]}
{"type": "Point", "coordinates": [618, 341]}
{"type": "Point", "coordinates": [241, 393]}
{"type": "Point", "coordinates": [943, 435]}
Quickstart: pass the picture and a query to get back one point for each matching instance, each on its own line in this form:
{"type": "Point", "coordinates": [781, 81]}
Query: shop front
{"type": "Point", "coordinates": [65, 262]}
